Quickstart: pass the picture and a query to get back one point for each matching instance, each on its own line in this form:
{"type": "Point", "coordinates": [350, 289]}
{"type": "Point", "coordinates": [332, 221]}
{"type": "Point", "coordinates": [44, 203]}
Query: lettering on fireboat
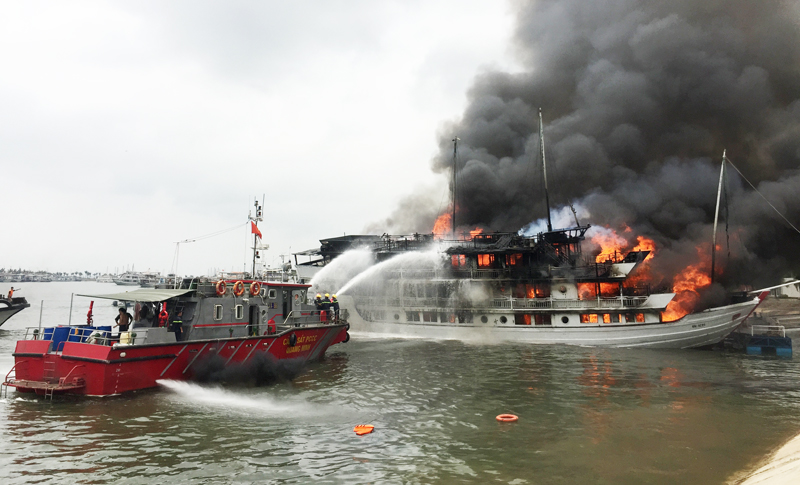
{"type": "Point", "coordinates": [303, 344]}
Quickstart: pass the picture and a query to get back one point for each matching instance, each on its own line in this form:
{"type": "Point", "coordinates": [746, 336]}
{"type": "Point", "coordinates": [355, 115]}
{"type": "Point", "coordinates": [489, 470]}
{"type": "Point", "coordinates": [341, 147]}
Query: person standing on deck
{"type": "Point", "coordinates": [335, 308]}
{"type": "Point", "coordinates": [177, 325]}
{"type": "Point", "coordinates": [10, 294]}
{"type": "Point", "coordinates": [123, 320]}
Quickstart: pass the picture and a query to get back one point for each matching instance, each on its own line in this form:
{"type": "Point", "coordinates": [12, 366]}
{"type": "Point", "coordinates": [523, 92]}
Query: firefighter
{"type": "Point", "coordinates": [335, 307]}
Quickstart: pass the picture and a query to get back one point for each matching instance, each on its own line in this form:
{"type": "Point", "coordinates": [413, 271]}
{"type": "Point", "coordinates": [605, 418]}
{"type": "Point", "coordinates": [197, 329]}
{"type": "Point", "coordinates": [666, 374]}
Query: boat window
{"type": "Point", "coordinates": [412, 316]}
{"type": "Point", "coordinates": [542, 319]}
{"type": "Point", "coordinates": [588, 317]}
{"type": "Point", "coordinates": [428, 316]}
{"type": "Point", "coordinates": [273, 293]}
{"type": "Point", "coordinates": [459, 260]}
{"type": "Point", "coordinates": [396, 316]}
{"type": "Point", "coordinates": [565, 319]}
{"type": "Point", "coordinates": [217, 312]}
{"type": "Point", "coordinates": [606, 318]}
{"type": "Point", "coordinates": [520, 319]}
{"type": "Point", "coordinates": [640, 317]}
{"type": "Point", "coordinates": [513, 259]}
{"type": "Point", "coordinates": [503, 319]}
{"type": "Point", "coordinates": [465, 317]}
{"type": "Point", "coordinates": [629, 317]}
{"type": "Point", "coordinates": [239, 312]}
{"type": "Point", "coordinates": [485, 260]}
{"type": "Point", "coordinates": [484, 319]}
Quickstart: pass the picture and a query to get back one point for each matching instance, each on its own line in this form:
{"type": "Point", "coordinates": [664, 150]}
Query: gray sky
{"type": "Point", "coordinates": [127, 126]}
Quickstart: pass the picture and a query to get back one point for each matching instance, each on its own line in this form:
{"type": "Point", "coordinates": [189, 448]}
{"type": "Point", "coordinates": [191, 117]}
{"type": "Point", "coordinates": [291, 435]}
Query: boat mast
{"type": "Point", "coordinates": [255, 220]}
{"type": "Point", "coordinates": [455, 168]}
{"type": "Point", "coordinates": [544, 171]}
{"type": "Point", "coordinates": [716, 217]}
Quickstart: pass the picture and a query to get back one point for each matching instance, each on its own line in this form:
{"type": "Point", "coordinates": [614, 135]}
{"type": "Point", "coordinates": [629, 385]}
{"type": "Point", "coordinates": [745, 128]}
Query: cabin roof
{"type": "Point", "coordinates": [143, 295]}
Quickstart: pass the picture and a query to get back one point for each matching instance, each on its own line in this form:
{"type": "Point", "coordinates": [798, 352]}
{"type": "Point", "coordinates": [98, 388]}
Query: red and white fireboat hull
{"type": "Point", "coordinates": [102, 370]}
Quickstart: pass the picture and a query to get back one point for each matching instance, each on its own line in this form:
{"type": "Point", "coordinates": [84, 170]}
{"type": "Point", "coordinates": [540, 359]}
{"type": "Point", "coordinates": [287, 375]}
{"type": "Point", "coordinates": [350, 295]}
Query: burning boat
{"type": "Point", "coordinates": [538, 288]}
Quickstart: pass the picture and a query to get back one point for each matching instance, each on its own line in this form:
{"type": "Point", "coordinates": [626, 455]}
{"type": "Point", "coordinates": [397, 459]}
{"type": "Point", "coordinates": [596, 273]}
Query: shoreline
{"type": "Point", "coordinates": [781, 466]}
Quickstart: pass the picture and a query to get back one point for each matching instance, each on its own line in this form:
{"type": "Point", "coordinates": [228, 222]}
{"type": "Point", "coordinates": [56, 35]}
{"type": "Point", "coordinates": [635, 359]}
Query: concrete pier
{"type": "Point", "coordinates": [782, 468]}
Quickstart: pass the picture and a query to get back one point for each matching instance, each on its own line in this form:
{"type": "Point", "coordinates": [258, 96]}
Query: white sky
{"type": "Point", "coordinates": [127, 126]}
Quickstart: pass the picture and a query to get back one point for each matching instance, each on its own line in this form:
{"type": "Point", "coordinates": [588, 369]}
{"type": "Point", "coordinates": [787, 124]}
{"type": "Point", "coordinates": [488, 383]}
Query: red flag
{"type": "Point", "coordinates": [255, 229]}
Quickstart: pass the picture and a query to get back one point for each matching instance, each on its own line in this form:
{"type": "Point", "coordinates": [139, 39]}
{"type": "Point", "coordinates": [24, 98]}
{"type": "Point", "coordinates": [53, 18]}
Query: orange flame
{"type": "Point", "coordinates": [686, 285]}
{"type": "Point", "coordinates": [475, 232]}
{"type": "Point", "coordinates": [645, 244]}
{"type": "Point", "coordinates": [610, 243]}
{"type": "Point", "coordinates": [443, 225]}
{"type": "Point", "coordinates": [586, 291]}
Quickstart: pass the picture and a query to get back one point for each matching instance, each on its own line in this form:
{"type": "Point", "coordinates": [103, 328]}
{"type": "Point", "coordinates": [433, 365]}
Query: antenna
{"type": "Point", "coordinates": [716, 217]}
{"type": "Point", "coordinates": [544, 171]}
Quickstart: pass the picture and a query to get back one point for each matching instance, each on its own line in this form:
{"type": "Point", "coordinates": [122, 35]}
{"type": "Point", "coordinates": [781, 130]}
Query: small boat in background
{"type": "Point", "coordinates": [128, 278]}
{"type": "Point", "coordinates": [10, 308]}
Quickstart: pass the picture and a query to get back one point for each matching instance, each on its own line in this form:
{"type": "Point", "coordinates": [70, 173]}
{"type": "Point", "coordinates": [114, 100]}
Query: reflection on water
{"type": "Point", "coordinates": [585, 416]}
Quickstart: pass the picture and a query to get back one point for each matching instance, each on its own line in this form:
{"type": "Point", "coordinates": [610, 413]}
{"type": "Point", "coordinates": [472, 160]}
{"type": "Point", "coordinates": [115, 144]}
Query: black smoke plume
{"type": "Point", "coordinates": [639, 99]}
{"type": "Point", "coordinates": [260, 370]}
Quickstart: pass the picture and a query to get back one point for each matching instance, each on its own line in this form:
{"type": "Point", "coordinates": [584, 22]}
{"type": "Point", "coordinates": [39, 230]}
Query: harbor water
{"type": "Point", "coordinates": [586, 415]}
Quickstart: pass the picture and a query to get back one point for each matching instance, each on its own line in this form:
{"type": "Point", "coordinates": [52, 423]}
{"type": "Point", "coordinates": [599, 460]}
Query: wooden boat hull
{"type": "Point", "coordinates": [694, 330]}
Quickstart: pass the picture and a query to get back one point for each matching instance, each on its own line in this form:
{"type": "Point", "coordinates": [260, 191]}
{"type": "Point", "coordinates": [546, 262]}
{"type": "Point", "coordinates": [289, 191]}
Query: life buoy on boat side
{"type": "Point", "coordinates": [255, 288]}
{"type": "Point", "coordinates": [222, 288]}
{"type": "Point", "coordinates": [238, 288]}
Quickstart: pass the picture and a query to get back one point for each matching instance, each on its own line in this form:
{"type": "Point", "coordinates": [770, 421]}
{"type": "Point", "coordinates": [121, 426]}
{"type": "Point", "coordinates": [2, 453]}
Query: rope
{"type": "Point", "coordinates": [206, 236]}
{"type": "Point", "coordinates": [762, 195]}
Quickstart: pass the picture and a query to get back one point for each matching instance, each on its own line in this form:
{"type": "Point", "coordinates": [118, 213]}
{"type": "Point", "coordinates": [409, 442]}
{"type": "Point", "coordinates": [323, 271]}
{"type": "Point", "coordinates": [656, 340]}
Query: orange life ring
{"type": "Point", "coordinates": [222, 288]}
{"type": "Point", "coordinates": [362, 429]}
{"type": "Point", "coordinates": [238, 288]}
{"type": "Point", "coordinates": [255, 288]}
{"type": "Point", "coordinates": [507, 418]}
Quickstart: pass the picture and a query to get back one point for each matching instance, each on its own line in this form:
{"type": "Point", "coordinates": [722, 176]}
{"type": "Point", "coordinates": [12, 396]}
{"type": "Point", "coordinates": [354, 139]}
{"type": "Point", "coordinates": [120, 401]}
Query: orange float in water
{"type": "Point", "coordinates": [362, 429]}
{"type": "Point", "coordinates": [507, 418]}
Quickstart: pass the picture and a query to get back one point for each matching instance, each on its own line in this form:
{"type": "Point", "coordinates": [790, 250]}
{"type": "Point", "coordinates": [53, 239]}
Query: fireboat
{"type": "Point", "coordinates": [187, 330]}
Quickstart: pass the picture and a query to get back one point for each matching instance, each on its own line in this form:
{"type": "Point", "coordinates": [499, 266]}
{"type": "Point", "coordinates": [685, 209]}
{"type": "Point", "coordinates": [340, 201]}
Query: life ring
{"type": "Point", "coordinates": [222, 288]}
{"type": "Point", "coordinates": [507, 418]}
{"type": "Point", "coordinates": [255, 288]}
{"type": "Point", "coordinates": [238, 288]}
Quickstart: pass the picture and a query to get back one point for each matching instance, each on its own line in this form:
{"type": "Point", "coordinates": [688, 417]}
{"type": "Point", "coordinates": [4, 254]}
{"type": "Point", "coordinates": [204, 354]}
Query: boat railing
{"type": "Point", "coordinates": [505, 303]}
{"type": "Point", "coordinates": [62, 334]}
{"type": "Point", "coordinates": [305, 319]}
{"type": "Point", "coordinates": [557, 304]}
{"type": "Point", "coordinates": [768, 330]}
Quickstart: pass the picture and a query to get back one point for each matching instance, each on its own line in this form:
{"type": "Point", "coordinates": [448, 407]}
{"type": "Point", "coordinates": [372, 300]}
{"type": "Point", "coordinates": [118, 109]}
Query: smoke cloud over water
{"type": "Point", "coordinates": [639, 100]}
